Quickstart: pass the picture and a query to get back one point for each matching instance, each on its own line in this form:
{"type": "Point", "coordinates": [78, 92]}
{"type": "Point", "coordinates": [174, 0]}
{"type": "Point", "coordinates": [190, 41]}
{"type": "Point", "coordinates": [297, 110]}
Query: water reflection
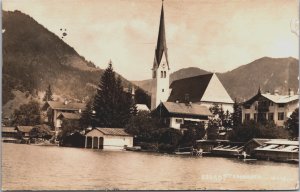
{"type": "Point", "coordinates": [42, 168]}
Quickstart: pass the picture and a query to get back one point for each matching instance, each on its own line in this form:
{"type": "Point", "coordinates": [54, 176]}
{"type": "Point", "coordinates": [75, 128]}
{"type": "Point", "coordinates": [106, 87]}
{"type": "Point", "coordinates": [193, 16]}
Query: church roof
{"type": "Point", "coordinates": [161, 46]}
{"type": "Point", "coordinates": [193, 86]}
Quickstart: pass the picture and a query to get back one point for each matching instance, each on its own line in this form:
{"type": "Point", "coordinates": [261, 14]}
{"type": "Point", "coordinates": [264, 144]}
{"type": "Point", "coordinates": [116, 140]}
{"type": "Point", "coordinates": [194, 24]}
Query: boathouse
{"type": "Point", "coordinates": [9, 134]}
{"type": "Point", "coordinates": [108, 138]}
{"type": "Point", "coordinates": [278, 150]}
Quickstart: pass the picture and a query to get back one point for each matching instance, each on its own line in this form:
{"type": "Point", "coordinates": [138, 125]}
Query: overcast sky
{"type": "Point", "coordinates": [214, 35]}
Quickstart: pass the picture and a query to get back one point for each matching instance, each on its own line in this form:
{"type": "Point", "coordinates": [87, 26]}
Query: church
{"type": "Point", "coordinates": [185, 99]}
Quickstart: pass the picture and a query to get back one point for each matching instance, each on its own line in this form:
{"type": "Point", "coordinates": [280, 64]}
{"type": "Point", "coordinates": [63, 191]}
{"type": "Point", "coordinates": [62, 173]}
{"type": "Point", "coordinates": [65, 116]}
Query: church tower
{"type": "Point", "coordinates": [161, 69]}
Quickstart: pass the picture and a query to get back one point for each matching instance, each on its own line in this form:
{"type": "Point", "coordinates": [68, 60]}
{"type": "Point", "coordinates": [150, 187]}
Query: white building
{"type": "Point", "coordinates": [108, 138]}
{"type": "Point", "coordinates": [178, 115]}
{"type": "Point", "coordinates": [272, 106]}
{"type": "Point", "coordinates": [142, 107]}
{"type": "Point", "coordinates": [205, 90]}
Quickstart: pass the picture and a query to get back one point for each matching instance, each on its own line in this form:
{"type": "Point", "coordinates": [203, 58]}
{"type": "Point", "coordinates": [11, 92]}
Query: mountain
{"type": "Point", "coordinates": [180, 74]}
{"type": "Point", "coordinates": [34, 57]}
{"type": "Point", "coordinates": [243, 82]}
{"type": "Point", "coordinates": [267, 73]}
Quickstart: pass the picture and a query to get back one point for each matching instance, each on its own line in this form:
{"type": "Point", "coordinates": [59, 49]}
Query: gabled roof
{"type": "Point", "coordinates": [71, 116]}
{"type": "Point", "coordinates": [25, 129]}
{"type": "Point", "coordinates": [186, 109]}
{"type": "Point", "coordinates": [142, 107]}
{"type": "Point", "coordinates": [113, 131]}
{"type": "Point", "coordinates": [195, 87]}
{"type": "Point", "coordinates": [281, 98]}
{"type": "Point", "coordinates": [9, 129]}
{"type": "Point", "coordinates": [274, 98]}
{"type": "Point", "coordinates": [282, 142]}
{"type": "Point", "coordinates": [62, 106]}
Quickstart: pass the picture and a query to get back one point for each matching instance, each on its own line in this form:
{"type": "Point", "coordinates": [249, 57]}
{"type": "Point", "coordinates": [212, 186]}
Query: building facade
{"type": "Point", "coordinates": [180, 115]}
{"type": "Point", "coordinates": [108, 138]}
{"type": "Point", "coordinates": [274, 107]}
{"type": "Point", "coordinates": [54, 109]}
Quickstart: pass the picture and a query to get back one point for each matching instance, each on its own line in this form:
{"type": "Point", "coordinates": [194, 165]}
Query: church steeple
{"type": "Point", "coordinates": [161, 46]}
{"type": "Point", "coordinates": [161, 70]}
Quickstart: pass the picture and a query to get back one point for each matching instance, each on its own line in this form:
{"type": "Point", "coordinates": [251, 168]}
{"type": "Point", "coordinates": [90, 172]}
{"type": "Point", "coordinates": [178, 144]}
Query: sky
{"type": "Point", "coordinates": [214, 35]}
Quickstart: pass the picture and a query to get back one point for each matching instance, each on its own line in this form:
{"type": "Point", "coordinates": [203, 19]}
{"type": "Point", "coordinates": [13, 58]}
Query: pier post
{"type": "Point", "coordinates": [92, 142]}
{"type": "Point", "coordinates": [85, 142]}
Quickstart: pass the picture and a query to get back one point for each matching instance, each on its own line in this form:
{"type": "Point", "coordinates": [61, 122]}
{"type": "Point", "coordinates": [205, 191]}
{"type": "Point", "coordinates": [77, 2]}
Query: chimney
{"type": "Point", "coordinates": [268, 92]}
{"type": "Point", "coordinates": [276, 92]}
{"type": "Point", "coordinates": [291, 92]}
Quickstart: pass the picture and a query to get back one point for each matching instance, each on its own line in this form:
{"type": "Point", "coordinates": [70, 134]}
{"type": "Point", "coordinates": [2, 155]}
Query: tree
{"type": "Point", "coordinates": [213, 128]}
{"type": "Point", "coordinates": [143, 127]}
{"type": "Point", "coordinates": [194, 132]}
{"type": "Point", "coordinates": [141, 97]}
{"type": "Point", "coordinates": [86, 118]}
{"type": "Point", "coordinates": [113, 107]}
{"type": "Point", "coordinates": [293, 123]}
{"type": "Point", "coordinates": [48, 95]}
{"type": "Point", "coordinates": [236, 115]}
{"type": "Point", "coordinates": [27, 114]}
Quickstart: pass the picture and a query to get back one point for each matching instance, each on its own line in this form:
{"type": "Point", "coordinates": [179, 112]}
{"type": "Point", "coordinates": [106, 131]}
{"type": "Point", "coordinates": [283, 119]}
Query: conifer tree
{"type": "Point", "coordinates": [113, 106]}
{"type": "Point", "coordinates": [48, 95]}
{"type": "Point", "coordinates": [236, 115]}
{"type": "Point", "coordinates": [86, 118]}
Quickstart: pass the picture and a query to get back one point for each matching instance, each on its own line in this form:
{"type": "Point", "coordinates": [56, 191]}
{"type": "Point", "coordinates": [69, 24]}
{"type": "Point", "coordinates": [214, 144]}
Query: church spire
{"type": "Point", "coordinates": [161, 46]}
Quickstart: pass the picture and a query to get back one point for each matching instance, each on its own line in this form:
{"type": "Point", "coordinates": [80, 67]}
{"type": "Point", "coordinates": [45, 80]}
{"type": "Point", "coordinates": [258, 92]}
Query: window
{"type": "Point", "coordinates": [271, 103]}
{"type": "Point", "coordinates": [281, 116]}
{"type": "Point", "coordinates": [161, 74]}
{"type": "Point", "coordinates": [163, 90]}
{"type": "Point", "coordinates": [271, 116]}
{"type": "Point", "coordinates": [255, 116]}
{"type": "Point", "coordinates": [281, 105]}
{"type": "Point", "coordinates": [179, 121]}
{"type": "Point", "coordinates": [165, 74]}
{"type": "Point", "coordinates": [247, 116]}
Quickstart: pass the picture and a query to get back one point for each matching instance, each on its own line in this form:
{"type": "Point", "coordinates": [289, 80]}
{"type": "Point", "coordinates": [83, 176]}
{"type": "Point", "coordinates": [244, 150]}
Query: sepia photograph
{"type": "Point", "coordinates": [150, 95]}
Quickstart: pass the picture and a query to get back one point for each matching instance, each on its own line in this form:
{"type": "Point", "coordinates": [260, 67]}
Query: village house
{"type": "Point", "coordinates": [179, 115]}
{"type": "Point", "coordinates": [108, 138]}
{"type": "Point", "coordinates": [55, 109]}
{"type": "Point", "coordinates": [203, 90]}
{"type": "Point", "coordinates": [274, 107]}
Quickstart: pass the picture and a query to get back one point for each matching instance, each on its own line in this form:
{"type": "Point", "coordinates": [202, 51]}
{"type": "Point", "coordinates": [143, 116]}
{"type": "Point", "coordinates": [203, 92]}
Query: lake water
{"type": "Point", "coordinates": [30, 167]}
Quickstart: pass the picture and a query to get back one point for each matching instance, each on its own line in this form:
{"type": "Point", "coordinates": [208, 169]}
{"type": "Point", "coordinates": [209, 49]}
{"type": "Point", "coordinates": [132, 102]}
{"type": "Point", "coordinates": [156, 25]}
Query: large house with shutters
{"type": "Point", "coordinates": [185, 99]}
{"type": "Point", "coordinates": [275, 107]}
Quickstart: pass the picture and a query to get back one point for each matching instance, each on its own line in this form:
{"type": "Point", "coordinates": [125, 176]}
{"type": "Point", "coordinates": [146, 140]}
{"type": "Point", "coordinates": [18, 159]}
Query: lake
{"type": "Point", "coordinates": [31, 167]}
